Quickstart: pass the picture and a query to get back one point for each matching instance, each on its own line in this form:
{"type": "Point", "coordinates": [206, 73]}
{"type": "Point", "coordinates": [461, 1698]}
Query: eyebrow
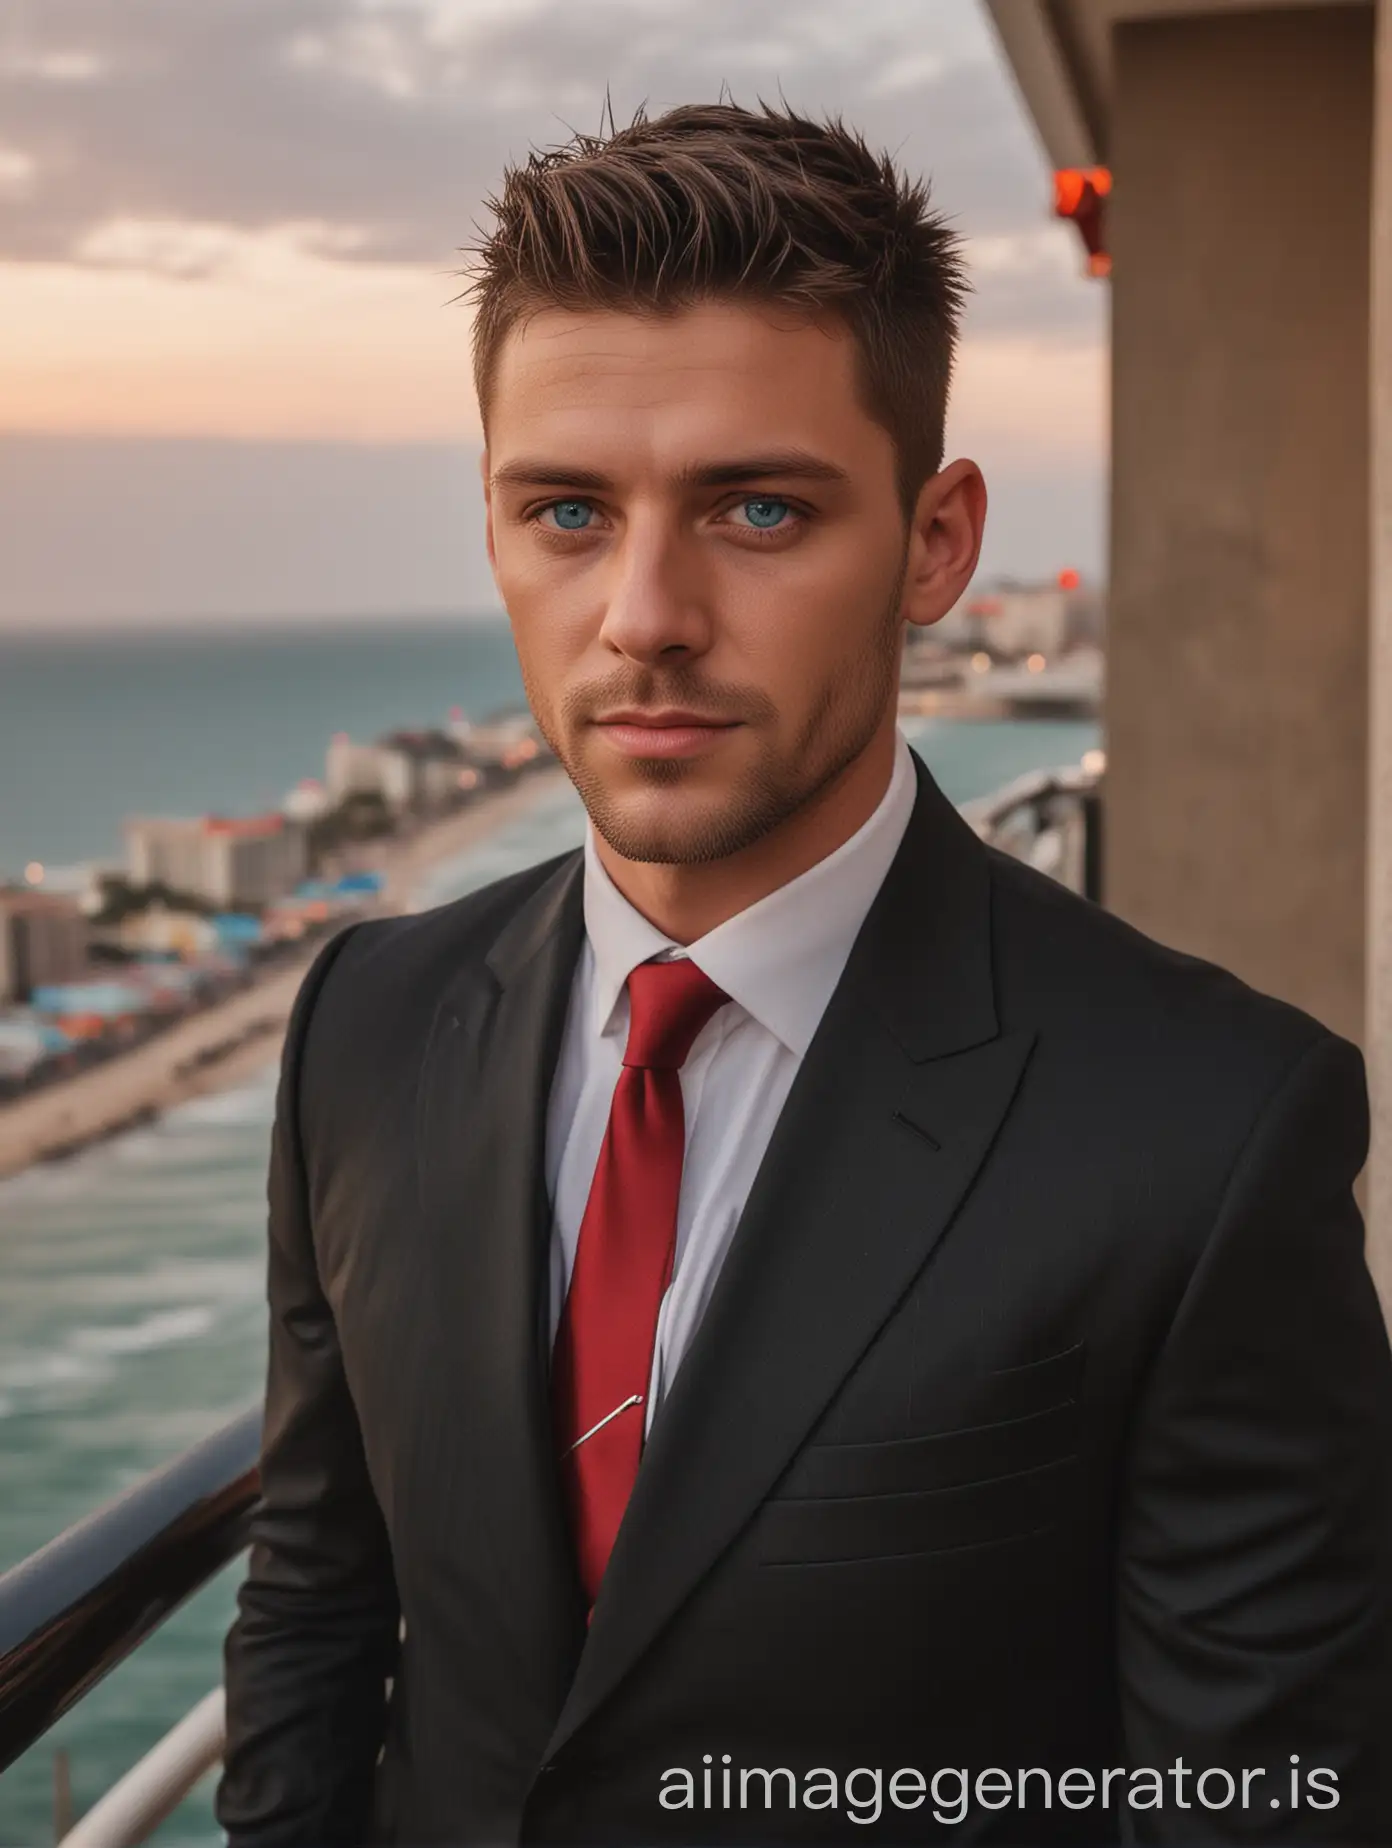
{"type": "Point", "coordinates": [781, 464]}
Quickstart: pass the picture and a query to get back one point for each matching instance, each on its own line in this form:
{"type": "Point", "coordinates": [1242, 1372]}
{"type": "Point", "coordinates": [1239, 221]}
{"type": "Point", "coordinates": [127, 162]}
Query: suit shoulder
{"type": "Point", "coordinates": [1162, 1059]}
{"type": "Point", "coordinates": [1066, 960]}
{"type": "Point", "coordinates": [388, 961]}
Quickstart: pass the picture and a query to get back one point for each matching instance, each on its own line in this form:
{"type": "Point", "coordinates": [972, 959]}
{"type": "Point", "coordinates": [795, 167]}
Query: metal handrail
{"type": "Point", "coordinates": [72, 1611]}
{"type": "Point", "coordinates": [988, 811]}
{"type": "Point", "coordinates": [135, 1806]}
{"type": "Point", "coordinates": [1055, 810]}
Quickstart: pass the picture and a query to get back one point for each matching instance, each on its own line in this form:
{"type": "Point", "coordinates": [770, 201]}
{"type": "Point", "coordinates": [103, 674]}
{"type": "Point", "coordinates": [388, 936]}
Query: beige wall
{"type": "Point", "coordinates": [1238, 639]}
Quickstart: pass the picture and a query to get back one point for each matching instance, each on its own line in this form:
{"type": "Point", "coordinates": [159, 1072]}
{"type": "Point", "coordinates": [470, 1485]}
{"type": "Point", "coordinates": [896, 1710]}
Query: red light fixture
{"type": "Point", "coordinates": [1079, 194]}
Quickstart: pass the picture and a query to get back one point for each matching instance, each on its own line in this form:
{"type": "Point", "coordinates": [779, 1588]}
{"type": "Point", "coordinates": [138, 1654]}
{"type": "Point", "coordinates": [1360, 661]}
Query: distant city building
{"type": "Point", "coordinates": [1013, 621]}
{"type": "Point", "coordinates": [416, 771]}
{"type": "Point", "coordinates": [1020, 620]}
{"type": "Point", "coordinates": [250, 861]}
{"type": "Point", "coordinates": [353, 769]}
{"type": "Point", "coordinates": [43, 939]}
{"type": "Point", "coordinates": [509, 740]}
{"type": "Point", "coordinates": [957, 630]}
{"type": "Point", "coordinates": [307, 801]}
{"type": "Point", "coordinates": [160, 931]}
{"type": "Point", "coordinates": [436, 762]}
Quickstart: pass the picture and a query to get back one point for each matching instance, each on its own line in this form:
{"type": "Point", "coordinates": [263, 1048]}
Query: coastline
{"type": "Point", "coordinates": [223, 1045]}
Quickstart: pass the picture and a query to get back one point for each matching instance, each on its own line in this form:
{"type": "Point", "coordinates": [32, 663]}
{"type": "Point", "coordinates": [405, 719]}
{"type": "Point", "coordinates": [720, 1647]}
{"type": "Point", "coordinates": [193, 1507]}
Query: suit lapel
{"type": "Point", "coordinates": [480, 1150]}
{"type": "Point", "coordinates": [893, 1111]}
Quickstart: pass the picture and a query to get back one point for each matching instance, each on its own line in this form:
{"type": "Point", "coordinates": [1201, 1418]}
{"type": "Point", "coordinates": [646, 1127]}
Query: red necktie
{"type": "Point", "coordinates": [623, 1261]}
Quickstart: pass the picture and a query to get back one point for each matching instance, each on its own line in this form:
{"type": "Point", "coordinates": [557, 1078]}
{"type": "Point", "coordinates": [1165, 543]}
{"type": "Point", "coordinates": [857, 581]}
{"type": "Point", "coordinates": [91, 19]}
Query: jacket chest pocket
{"type": "Point", "coordinates": [1006, 1475]}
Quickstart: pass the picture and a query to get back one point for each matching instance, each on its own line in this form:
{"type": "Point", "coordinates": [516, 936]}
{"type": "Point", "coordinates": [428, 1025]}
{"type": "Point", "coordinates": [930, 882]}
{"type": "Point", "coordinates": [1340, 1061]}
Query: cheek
{"type": "Point", "coordinates": [807, 621]}
{"type": "Point", "coordinates": [520, 572]}
{"type": "Point", "coordinates": [547, 662]}
{"type": "Point", "coordinates": [552, 625]}
{"type": "Point", "coordinates": [533, 583]}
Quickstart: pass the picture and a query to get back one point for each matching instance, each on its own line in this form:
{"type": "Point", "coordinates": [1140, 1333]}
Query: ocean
{"type": "Point", "coordinates": [131, 1277]}
{"type": "Point", "coordinates": [95, 728]}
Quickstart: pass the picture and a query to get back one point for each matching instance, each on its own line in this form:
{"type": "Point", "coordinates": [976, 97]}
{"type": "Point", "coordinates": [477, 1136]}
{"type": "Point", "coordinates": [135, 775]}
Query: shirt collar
{"type": "Point", "coordinates": [781, 958]}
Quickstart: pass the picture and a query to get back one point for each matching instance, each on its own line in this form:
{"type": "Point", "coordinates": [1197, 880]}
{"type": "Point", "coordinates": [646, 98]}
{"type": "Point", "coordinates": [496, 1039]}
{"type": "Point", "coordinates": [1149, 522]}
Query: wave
{"type": "Point", "coordinates": [54, 1368]}
{"type": "Point", "coordinates": [248, 1105]}
{"type": "Point", "coordinates": [87, 1356]}
{"type": "Point", "coordinates": [161, 1329]}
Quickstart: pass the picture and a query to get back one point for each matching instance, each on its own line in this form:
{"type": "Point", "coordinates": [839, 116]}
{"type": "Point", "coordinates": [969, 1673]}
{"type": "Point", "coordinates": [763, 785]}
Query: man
{"type": "Point", "coordinates": [787, 1325]}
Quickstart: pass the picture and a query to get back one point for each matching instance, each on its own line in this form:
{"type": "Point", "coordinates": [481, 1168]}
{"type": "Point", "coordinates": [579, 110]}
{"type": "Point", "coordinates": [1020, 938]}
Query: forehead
{"type": "Point", "coordinates": [703, 378]}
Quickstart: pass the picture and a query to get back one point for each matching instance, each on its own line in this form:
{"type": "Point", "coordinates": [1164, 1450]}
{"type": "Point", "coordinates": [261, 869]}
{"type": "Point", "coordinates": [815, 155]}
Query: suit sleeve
{"type": "Point", "coordinates": [1254, 1581]}
{"type": "Point", "coordinates": [315, 1637]}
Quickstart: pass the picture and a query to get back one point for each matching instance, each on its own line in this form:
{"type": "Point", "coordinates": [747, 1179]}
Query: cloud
{"type": "Point", "coordinates": [190, 251]}
{"type": "Point", "coordinates": [390, 120]}
{"type": "Point", "coordinates": [915, 72]}
{"type": "Point", "coordinates": [17, 170]}
{"type": "Point", "coordinates": [228, 226]}
{"type": "Point", "coordinates": [237, 219]}
{"type": "Point", "coordinates": [201, 330]}
{"type": "Point", "coordinates": [50, 66]}
{"type": "Point", "coordinates": [1022, 402]}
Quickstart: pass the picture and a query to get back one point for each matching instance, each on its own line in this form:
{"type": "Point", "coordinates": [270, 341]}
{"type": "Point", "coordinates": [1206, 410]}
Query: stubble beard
{"type": "Point", "coordinates": [845, 718]}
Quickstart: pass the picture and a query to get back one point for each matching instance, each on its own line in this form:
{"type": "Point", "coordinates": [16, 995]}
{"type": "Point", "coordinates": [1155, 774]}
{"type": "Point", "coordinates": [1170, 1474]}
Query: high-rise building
{"type": "Point", "coordinates": [250, 861]}
{"type": "Point", "coordinates": [43, 938]}
{"type": "Point", "coordinates": [409, 770]}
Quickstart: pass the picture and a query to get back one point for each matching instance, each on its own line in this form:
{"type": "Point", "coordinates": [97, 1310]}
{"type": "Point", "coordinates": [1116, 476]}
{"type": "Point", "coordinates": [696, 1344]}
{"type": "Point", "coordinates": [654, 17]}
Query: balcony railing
{"type": "Point", "coordinates": [74, 1610]}
{"type": "Point", "coordinates": [1051, 819]}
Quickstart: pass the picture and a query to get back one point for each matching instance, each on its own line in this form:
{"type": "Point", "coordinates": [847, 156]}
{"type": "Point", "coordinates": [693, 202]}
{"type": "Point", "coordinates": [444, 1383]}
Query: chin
{"type": "Point", "coordinates": [668, 825]}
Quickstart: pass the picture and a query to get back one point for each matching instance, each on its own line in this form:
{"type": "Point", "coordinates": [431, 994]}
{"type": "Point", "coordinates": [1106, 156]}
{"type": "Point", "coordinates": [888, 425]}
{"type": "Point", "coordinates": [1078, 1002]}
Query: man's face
{"type": "Point", "coordinates": [697, 533]}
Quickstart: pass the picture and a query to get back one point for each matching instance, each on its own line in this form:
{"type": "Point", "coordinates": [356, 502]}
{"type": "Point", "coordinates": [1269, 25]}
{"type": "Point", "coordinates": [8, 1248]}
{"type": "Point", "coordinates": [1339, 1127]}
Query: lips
{"type": "Point", "coordinates": [668, 733]}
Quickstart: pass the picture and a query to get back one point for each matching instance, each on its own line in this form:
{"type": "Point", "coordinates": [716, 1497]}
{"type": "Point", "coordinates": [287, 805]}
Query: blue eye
{"type": "Point", "coordinates": [764, 512]}
{"type": "Point", "coordinates": [571, 516]}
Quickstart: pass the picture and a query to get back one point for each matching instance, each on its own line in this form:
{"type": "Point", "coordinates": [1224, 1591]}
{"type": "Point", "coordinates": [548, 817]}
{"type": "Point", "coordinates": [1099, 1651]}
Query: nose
{"type": "Point", "coordinates": [656, 609]}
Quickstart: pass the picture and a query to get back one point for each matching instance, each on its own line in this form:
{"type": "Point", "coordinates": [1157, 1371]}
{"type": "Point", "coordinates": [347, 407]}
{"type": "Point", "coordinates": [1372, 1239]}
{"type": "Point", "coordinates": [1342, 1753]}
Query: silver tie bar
{"type": "Point", "coordinates": [633, 1399]}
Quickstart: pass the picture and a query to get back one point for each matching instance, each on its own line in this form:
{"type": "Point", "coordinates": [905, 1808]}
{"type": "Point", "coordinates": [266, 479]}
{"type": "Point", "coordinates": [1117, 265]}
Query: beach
{"type": "Point", "coordinates": [221, 1045]}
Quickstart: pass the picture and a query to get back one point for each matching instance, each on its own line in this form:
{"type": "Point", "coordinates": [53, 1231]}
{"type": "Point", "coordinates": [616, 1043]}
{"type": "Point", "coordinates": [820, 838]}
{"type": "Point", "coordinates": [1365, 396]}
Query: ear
{"type": "Point", "coordinates": [488, 513]}
{"type": "Point", "coordinates": [945, 534]}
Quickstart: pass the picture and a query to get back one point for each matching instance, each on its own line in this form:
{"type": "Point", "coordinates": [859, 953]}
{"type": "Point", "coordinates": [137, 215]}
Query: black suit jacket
{"type": "Point", "coordinates": [1039, 1420]}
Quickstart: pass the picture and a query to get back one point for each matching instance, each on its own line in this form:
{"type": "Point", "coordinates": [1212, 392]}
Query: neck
{"type": "Point", "coordinates": [686, 902]}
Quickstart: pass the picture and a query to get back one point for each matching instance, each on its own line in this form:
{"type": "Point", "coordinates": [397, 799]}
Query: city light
{"type": "Point", "coordinates": [1036, 664]}
{"type": "Point", "coordinates": [981, 663]}
{"type": "Point", "coordinates": [34, 872]}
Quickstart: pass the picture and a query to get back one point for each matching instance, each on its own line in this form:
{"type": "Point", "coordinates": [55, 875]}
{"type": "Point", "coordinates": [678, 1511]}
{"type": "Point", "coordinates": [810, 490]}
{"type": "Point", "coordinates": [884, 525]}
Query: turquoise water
{"type": "Point", "coordinates": [131, 1300]}
{"type": "Point", "coordinates": [96, 728]}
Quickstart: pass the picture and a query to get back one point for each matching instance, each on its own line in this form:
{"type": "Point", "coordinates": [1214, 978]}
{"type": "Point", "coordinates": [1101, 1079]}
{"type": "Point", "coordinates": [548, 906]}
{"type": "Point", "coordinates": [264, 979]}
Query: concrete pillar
{"type": "Point", "coordinates": [1239, 621]}
{"type": "Point", "coordinates": [1378, 1036]}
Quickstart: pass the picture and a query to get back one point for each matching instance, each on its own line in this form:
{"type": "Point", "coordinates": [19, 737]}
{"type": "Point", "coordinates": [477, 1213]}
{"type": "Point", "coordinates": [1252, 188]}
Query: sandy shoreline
{"type": "Point", "coordinates": [228, 1042]}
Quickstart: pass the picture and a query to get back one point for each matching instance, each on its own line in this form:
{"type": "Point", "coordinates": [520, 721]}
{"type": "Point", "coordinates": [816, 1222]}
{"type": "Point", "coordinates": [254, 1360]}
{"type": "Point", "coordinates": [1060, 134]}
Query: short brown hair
{"type": "Point", "coordinates": [712, 201]}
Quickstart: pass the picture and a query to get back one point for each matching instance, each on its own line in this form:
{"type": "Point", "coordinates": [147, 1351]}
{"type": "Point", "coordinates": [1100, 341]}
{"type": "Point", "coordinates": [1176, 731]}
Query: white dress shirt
{"type": "Point", "coordinates": [779, 962]}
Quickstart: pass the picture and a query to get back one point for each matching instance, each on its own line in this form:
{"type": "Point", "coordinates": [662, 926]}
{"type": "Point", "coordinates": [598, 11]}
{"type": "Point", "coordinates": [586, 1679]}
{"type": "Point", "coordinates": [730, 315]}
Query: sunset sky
{"type": "Point", "coordinates": [232, 380]}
